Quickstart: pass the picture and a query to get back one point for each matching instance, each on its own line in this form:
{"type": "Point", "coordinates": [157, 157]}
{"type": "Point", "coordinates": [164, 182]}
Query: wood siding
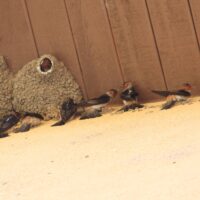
{"type": "Point", "coordinates": [154, 43]}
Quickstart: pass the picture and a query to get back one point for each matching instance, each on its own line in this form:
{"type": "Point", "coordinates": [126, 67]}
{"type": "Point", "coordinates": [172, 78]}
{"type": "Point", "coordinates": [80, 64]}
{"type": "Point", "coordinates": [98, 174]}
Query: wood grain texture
{"type": "Point", "coordinates": [136, 46]}
{"type": "Point", "coordinates": [16, 42]}
{"type": "Point", "coordinates": [195, 13]}
{"type": "Point", "coordinates": [53, 33]}
{"type": "Point", "coordinates": [177, 42]}
{"type": "Point", "coordinates": [95, 45]}
{"type": "Point", "coordinates": [154, 43]}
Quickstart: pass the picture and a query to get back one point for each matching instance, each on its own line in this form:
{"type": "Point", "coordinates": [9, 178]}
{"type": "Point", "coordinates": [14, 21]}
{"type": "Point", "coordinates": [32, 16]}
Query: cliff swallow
{"type": "Point", "coordinates": [67, 111]}
{"type": "Point", "coordinates": [30, 120]}
{"type": "Point", "coordinates": [129, 97]}
{"type": "Point", "coordinates": [8, 122]}
{"type": "Point", "coordinates": [94, 106]}
{"type": "Point", "coordinates": [175, 96]}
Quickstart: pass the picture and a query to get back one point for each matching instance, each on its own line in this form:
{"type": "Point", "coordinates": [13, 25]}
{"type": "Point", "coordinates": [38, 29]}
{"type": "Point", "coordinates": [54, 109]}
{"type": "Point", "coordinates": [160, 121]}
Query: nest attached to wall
{"type": "Point", "coordinates": [5, 89]}
{"type": "Point", "coordinates": [42, 85]}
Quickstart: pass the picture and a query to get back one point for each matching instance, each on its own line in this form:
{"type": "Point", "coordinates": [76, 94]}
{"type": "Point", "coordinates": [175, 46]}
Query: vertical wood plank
{"type": "Point", "coordinates": [136, 46]}
{"type": "Point", "coordinates": [95, 45]}
{"type": "Point", "coordinates": [16, 42]}
{"type": "Point", "coordinates": [177, 41]}
{"type": "Point", "coordinates": [53, 33]}
{"type": "Point", "coordinates": [195, 12]}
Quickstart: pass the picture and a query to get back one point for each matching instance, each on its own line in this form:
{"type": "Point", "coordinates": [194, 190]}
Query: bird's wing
{"type": "Point", "coordinates": [89, 115]}
{"type": "Point", "coordinates": [8, 122]}
{"type": "Point", "coordinates": [182, 93]}
{"type": "Point", "coordinates": [100, 100]}
{"type": "Point", "coordinates": [168, 104]}
{"type": "Point", "coordinates": [177, 92]}
{"type": "Point", "coordinates": [67, 111]}
{"type": "Point", "coordinates": [59, 123]}
{"type": "Point", "coordinates": [36, 115]}
{"type": "Point", "coordinates": [23, 128]}
{"type": "Point", "coordinates": [129, 95]}
{"type": "Point", "coordinates": [3, 135]}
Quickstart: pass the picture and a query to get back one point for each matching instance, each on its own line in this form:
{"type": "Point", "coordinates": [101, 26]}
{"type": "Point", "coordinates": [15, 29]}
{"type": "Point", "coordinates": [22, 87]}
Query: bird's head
{"type": "Point", "coordinates": [112, 93]}
{"type": "Point", "coordinates": [127, 85]}
{"type": "Point", "coordinates": [187, 87]}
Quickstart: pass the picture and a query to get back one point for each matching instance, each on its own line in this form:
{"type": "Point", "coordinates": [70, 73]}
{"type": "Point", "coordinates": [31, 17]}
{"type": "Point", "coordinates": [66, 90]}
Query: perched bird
{"type": "Point", "coordinates": [94, 106]}
{"type": "Point", "coordinates": [129, 97]}
{"type": "Point", "coordinates": [67, 111]}
{"type": "Point", "coordinates": [29, 120]}
{"type": "Point", "coordinates": [175, 96]}
{"type": "Point", "coordinates": [8, 122]}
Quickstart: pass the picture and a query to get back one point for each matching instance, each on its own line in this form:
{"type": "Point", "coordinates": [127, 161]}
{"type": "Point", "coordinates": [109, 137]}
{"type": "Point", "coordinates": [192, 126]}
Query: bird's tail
{"type": "Point", "coordinates": [161, 93]}
{"type": "Point", "coordinates": [60, 123]}
{"type": "Point", "coordinates": [137, 105]}
{"type": "Point", "coordinates": [3, 135]}
{"type": "Point", "coordinates": [89, 115]}
{"type": "Point", "coordinates": [157, 92]}
{"type": "Point", "coordinates": [120, 110]}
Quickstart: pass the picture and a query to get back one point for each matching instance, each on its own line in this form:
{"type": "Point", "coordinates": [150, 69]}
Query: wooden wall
{"type": "Point", "coordinates": [154, 43]}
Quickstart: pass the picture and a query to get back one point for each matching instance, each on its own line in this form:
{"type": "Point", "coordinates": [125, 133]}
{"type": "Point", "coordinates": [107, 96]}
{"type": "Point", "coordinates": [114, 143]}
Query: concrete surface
{"type": "Point", "coordinates": [142, 155]}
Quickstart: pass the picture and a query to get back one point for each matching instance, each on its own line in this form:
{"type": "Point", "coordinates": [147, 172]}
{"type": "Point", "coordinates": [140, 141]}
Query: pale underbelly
{"type": "Point", "coordinates": [127, 103]}
{"type": "Point", "coordinates": [180, 98]}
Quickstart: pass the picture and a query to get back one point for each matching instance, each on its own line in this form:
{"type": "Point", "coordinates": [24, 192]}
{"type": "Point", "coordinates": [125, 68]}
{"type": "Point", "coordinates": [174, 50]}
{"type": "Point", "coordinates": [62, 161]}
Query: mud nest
{"type": "Point", "coordinates": [42, 85]}
{"type": "Point", "coordinates": [5, 89]}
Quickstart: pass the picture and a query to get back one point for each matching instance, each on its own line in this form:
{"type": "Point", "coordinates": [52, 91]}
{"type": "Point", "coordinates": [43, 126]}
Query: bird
{"type": "Point", "coordinates": [28, 121]}
{"type": "Point", "coordinates": [129, 97]}
{"type": "Point", "coordinates": [7, 122]}
{"type": "Point", "coordinates": [175, 96]}
{"type": "Point", "coordinates": [93, 107]}
{"type": "Point", "coordinates": [67, 111]}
